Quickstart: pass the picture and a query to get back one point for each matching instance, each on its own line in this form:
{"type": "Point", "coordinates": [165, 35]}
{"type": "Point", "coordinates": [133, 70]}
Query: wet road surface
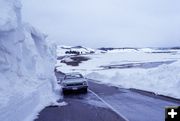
{"type": "Point", "coordinates": [134, 105]}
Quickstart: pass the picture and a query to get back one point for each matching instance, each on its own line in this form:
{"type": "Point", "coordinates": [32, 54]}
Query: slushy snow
{"type": "Point", "coordinates": [26, 67]}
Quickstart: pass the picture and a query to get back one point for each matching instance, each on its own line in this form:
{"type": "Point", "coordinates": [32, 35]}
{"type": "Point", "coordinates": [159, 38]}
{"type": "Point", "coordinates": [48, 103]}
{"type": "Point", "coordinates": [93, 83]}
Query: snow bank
{"type": "Point", "coordinates": [163, 80]}
{"type": "Point", "coordinates": [26, 66]}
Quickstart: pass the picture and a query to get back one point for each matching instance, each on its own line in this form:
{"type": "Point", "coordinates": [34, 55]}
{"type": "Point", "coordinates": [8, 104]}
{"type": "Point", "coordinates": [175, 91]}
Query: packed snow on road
{"type": "Point", "coordinates": [150, 69]}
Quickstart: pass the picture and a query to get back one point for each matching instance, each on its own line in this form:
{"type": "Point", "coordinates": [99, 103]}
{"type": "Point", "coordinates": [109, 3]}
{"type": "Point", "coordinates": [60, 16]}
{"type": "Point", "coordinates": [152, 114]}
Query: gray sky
{"type": "Point", "coordinates": [97, 23]}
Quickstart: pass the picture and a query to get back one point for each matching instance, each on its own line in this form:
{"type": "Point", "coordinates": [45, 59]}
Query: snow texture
{"type": "Point", "coordinates": [26, 67]}
{"type": "Point", "coordinates": [163, 78]}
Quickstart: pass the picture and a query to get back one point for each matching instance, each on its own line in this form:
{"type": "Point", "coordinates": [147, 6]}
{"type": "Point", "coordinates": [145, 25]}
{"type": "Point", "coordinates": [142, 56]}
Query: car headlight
{"type": "Point", "coordinates": [64, 84]}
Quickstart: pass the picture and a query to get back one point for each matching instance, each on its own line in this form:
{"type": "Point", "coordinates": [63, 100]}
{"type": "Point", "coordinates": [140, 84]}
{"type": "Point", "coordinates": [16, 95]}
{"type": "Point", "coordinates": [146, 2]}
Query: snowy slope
{"type": "Point", "coordinates": [26, 66]}
{"type": "Point", "coordinates": [162, 79]}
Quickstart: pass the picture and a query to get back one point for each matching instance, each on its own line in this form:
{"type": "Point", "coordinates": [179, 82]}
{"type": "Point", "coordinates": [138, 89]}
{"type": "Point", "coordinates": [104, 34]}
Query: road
{"type": "Point", "coordinates": [108, 103]}
{"type": "Point", "coordinates": [135, 105]}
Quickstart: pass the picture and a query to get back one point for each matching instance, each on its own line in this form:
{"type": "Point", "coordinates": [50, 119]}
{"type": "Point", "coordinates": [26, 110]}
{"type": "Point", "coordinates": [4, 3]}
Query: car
{"type": "Point", "coordinates": [74, 82]}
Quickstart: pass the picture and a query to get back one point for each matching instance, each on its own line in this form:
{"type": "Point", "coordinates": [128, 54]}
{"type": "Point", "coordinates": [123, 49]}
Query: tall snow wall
{"type": "Point", "coordinates": [26, 66]}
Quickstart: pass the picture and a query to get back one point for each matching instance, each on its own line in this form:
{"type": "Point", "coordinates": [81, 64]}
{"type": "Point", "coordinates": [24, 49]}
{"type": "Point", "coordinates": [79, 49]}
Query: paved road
{"type": "Point", "coordinates": [132, 104]}
{"type": "Point", "coordinates": [81, 107]}
{"type": "Point", "coordinates": [135, 105]}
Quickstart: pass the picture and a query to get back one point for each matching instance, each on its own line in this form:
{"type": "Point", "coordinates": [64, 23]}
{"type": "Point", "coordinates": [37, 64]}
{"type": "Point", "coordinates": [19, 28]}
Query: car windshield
{"type": "Point", "coordinates": [73, 76]}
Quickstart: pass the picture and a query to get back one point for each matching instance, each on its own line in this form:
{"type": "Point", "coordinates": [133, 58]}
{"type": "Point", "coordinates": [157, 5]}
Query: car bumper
{"type": "Point", "coordinates": [74, 88]}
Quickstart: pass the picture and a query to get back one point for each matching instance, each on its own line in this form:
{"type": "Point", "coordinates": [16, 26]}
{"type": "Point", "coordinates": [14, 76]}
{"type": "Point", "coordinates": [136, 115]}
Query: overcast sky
{"type": "Point", "coordinates": [97, 23]}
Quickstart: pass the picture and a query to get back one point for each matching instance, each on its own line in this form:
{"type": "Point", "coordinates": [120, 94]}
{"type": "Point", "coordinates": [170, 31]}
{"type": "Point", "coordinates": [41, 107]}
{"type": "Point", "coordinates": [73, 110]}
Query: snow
{"type": "Point", "coordinates": [26, 67]}
{"type": "Point", "coordinates": [165, 50]}
{"type": "Point", "coordinates": [121, 50]}
{"type": "Point", "coordinates": [146, 50]}
{"type": "Point", "coordinates": [161, 79]}
{"type": "Point", "coordinates": [67, 59]}
{"type": "Point", "coordinates": [62, 49]}
{"type": "Point", "coordinates": [60, 103]}
{"type": "Point", "coordinates": [9, 21]}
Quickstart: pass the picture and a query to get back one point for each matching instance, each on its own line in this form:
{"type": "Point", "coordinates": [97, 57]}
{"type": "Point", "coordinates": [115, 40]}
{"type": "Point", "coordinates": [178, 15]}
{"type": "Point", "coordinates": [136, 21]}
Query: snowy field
{"type": "Point", "coordinates": [154, 70]}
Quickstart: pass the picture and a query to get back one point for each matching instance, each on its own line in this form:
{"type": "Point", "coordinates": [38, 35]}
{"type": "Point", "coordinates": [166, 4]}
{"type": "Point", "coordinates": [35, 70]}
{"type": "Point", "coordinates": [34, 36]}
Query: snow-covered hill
{"type": "Point", "coordinates": [26, 66]}
{"type": "Point", "coordinates": [73, 50]}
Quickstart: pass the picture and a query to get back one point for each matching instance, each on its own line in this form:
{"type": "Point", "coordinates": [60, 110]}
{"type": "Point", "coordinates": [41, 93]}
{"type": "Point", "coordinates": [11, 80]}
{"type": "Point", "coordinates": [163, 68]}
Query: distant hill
{"type": "Point", "coordinates": [75, 50]}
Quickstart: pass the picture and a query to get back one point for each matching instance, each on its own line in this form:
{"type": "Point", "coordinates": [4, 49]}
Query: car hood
{"type": "Point", "coordinates": [70, 81]}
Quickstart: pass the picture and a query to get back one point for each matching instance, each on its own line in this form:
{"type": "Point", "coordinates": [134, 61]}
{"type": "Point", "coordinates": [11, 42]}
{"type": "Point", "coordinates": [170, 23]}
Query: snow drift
{"type": "Point", "coordinates": [26, 66]}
